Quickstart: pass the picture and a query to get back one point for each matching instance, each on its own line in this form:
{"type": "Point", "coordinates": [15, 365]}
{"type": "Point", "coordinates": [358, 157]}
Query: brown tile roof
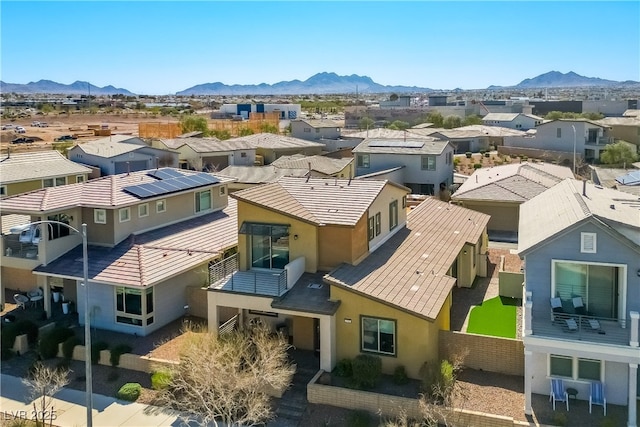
{"type": "Point", "coordinates": [409, 271]}
{"type": "Point", "coordinates": [316, 200]}
{"type": "Point", "coordinates": [273, 141]}
{"type": "Point", "coordinates": [155, 256]}
{"type": "Point", "coordinates": [39, 165]}
{"type": "Point", "coordinates": [409, 145]}
{"type": "Point", "coordinates": [322, 164]}
{"type": "Point", "coordinates": [105, 192]}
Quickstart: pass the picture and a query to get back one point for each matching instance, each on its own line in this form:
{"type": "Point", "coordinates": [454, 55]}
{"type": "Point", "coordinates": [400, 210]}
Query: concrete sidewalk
{"type": "Point", "coordinates": [70, 410]}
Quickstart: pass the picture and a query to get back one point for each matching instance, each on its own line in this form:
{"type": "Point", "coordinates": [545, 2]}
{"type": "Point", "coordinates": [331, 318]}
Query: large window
{"type": "Point", "coordinates": [378, 335]}
{"type": "Point", "coordinates": [134, 306]}
{"type": "Point", "coordinates": [362, 160]}
{"type": "Point", "coordinates": [124, 214]}
{"type": "Point", "coordinates": [393, 215]}
{"type": "Point", "coordinates": [269, 244]}
{"type": "Point", "coordinates": [429, 163]}
{"type": "Point", "coordinates": [203, 201]}
{"type": "Point", "coordinates": [597, 284]}
{"type": "Point", "coordinates": [56, 230]}
{"type": "Point", "coordinates": [54, 182]}
{"type": "Point", "coordinates": [575, 368]}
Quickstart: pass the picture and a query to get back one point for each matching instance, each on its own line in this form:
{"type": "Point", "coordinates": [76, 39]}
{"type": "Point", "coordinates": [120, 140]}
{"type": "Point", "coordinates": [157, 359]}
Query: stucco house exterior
{"type": "Point", "coordinates": [151, 235]}
{"type": "Point", "coordinates": [624, 128]}
{"type": "Point", "coordinates": [315, 130]}
{"type": "Point", "coordinates": [270, 146]}
{"type": "Point", "coordinates": [20, 173]}
{"type": "Point", "coordinates": [121, 153]}
{"type": "Point", "coordinates": [315, 258]}
{"type": "Point", "coordinates": [500, 190]}
{"type": "Point", "coordinates": [428, 162]}
{"type": "Point", "coordinates": [519, 121]}
{"type": "Point", "coordinates": [208, 154]}
{"type": "Point", "coordinates": [581, 242]}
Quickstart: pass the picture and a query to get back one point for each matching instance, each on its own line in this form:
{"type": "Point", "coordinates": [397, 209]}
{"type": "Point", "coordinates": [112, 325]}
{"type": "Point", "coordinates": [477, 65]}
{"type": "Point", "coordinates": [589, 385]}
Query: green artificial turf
{"type": "Point", "coordinates": [495, 317]}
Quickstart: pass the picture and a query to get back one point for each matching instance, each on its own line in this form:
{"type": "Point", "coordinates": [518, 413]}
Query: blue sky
{"type": "Point", "coordinates": [164, 47]}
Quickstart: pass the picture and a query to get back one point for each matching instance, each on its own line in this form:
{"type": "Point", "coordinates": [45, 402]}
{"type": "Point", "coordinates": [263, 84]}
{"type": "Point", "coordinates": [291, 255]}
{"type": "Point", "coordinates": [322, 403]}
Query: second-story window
{"type": "Point", "coordinates": [378, 223]}
{"type": "Point", "coordinates": [203, 201]}
{"type": "Point", "coordinates": [559, 132]}
{"type": "Point", "coordinates": [124, 214]}
{"type": "Point", "coordinates": [393, 215]}
{"type": "Point", "coordinates": [363, 160]}
{"type": "Point", "coordinates": [143, 210]}
{"type": "Point", "coordinates": [100, 216]}
{"type": "Point", "coordinates": [79, 178]}
{"type": "Point", "coordinates": [429, 163]}
{"type": "Point", "coordinates": [161, 206]}
{"type": "Point", "coordinates": [372, 228]}
{"type": "Point", "coordinates": [54, 182]}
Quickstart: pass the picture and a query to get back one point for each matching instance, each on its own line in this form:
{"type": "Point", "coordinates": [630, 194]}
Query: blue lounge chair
{"type": "Point", "coordinates": [597, 396]}
{"type": "Point", "coordinates": [558, 393]}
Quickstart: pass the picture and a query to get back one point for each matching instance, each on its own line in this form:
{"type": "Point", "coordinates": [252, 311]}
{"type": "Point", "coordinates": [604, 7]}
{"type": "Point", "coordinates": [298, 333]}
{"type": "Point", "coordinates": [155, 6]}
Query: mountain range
{"type": "Point", "coordinates": [320, 84]}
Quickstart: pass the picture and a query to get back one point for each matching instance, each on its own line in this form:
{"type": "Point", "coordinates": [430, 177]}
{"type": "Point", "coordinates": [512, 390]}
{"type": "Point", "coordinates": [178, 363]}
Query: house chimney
{"type": "Point", "coordinates": [584, 188]}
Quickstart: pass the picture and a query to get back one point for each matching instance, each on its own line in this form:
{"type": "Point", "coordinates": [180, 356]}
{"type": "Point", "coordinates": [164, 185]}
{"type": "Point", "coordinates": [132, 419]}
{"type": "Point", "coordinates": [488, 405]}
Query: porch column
{"type": "Point", "coordinates": [528, 355]}
{"type": "Point", "coordinates": [43, 283]}
{"type": "Point", "coordinates": [633, 342]}
{"type": "Point", "coordinates": [213, 315]}
{"type": "Point", "coordinates": [633, 384]}
{"type": "Point", "coordinates": [327, 342]}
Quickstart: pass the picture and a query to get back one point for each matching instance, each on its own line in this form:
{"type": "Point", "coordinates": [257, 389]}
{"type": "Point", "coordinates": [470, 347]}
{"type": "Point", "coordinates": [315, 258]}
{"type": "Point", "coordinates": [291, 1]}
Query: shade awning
{"type": "Point", "coordinates": [258, 229]}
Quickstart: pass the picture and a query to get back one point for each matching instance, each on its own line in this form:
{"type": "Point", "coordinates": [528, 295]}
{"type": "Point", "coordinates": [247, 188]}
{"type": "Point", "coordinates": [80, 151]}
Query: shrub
{"type": "Point", "coordinates": [48, 345]}
{"type": "Point", "coordinates": [68, 345]}
{"type": "Point", "coordinates": [160, 380]}
{"type": "Point", "coordinates": [344, 368]}
{"type": "Point", "coordinates": [468, 154]}
{"type": "Point", "coordinates": [129, 392]}
{"type": "Point", "coordinates": [482, 152]}
{"type": "Point", "coordinates": [366, 370]}
{"type": "Point", "coordinates": [358, 419]}
{"type": "Point", "coordinates": [438, 380]}
{"type": "Point", "coordinates": [523, 158]}
{"type": "Point", "coordinates": [400, 375]}
{"type": "Point", "coordinates": [477, 165]}
{"type": "Point", "coordinates": [118, 350]}
{"type": "Point", "coordinates": [96, 348]}
{"type": "Point", "coordinates": [487, 154]}
{"type": "Point", "coordinates": [456, 161]}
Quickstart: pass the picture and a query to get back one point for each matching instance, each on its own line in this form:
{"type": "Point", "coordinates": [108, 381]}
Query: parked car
{"type": "Point", "coordinates": [36, 124]}
{"type": "Point", "coordinates": [66, 138]}
{"type": "Point", "coordinates": [22, 140]}
{"type": "Point", "coordinates": [44, 125]}
{"type": "Point", "coordinates": [20, 129]}
{"type": "Point", "coordinates": [7, 126]}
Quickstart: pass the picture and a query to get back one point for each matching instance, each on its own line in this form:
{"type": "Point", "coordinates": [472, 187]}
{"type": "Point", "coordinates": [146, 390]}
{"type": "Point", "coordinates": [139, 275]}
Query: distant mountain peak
{"type": "Point", "coordinates": [554, 79]}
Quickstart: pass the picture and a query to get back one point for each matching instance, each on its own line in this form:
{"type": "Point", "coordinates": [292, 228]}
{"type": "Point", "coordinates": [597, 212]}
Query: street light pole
{"type": "Point", "coordinates": [574, 149]}
{"type": "Point", "coordinates": [87, 328]}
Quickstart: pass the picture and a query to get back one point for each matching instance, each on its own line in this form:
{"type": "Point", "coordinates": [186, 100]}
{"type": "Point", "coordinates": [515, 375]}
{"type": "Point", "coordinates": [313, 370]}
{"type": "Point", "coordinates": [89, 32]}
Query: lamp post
{"type": "Point", "coordinates": [87, 327]}
{"type": "Point", "coordinates": [574, 149]}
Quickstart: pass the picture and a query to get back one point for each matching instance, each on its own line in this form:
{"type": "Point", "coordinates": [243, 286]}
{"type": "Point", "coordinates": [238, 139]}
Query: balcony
{"type": "Point", "coordinates": [542, 322]}
{"type": "Point", "coordinates": [13, 248]}
{"type": "Point", "coordinates": [224, 276]}
{"type": "Point", "coordinates": [600, 141]}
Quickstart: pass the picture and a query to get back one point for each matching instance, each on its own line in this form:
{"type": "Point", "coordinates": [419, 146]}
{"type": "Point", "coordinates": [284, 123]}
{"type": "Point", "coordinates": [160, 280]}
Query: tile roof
{"type": "Point", "coordinates": [105, 192]}
{"type": "Point", "coordinates": [316, 200]}
{"type": "Point", "coordinates": [112, 146]}
{"type": "Point", "coordinates": [150, 258]}
{"type": "Point", "coordinates": [492, 130]}
{"type": "Point", "coordinates": [322, 164]}
{"type": "Point", "coordinates": [386, 133]}
{"type": "Point", "coordinates": [273, 141]}
{"type": "Point", "coordinates": [323, 123]}
{"type": "Point", "coordinates": [607, 178]}
{"type": "Point", "coordinates": [206, 145]}
{"type": "Point", "coordinates": [566, 204]}
{"type": "Point", "coordinates": [502, 117]}
{"type": "Point", "coordinates": [631, 113]}
{"type": "Point", "coordinates": [517, 182]}
{"type": "Point", "coordinates": [620, 121]}
{"type": "Point", "coordinates": [259, 174]}
{"type": "Point", "coordinates": [402, 146]}
{"type": "Point", "coordinates": [409, 271]}
{"type": "Point", "coordinates": [38, 165]}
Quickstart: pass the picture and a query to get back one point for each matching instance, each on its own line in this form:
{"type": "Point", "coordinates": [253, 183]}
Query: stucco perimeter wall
{"type": "Point", "coordinates": [535, 153]}
{"type": "Point", "coordinates": [493, 354]}
{"type": "Point", "coordinates": [393, 406]}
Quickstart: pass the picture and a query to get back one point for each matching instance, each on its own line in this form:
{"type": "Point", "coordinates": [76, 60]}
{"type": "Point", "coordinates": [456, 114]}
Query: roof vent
{"type": "Point", "coordinates": [612, 207]}
{"type": "Point", "coordinates": [315, 285]}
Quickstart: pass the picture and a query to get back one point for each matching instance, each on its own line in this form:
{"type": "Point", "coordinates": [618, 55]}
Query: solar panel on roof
{"type": "Point", "coordinates": [165, 173]}
{"type": "Point", "coordinates": [139, 192]}
{"type": "Point", "coordinates": [171, 185]}
{"type": "Point", "coordinates": [632, 178]}
{"type": "Point", "coordinates": [397, 144]}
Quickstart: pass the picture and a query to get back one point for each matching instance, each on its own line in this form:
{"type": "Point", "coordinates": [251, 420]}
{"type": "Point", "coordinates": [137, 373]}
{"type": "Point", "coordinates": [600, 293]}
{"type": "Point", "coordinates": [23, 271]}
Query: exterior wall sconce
{"type": "Point", "coordinates": [295, 237]}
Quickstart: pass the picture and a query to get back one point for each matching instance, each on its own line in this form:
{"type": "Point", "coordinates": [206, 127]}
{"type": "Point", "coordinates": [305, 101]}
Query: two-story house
{"type": "Point", "coordinates": [581, 248]}
{"type": "Point", "coordinates": [24, 172]}
{"type": "Point", "coordinates": [426, 162]}
{"type": "Point", "coordinates": [389, 274]}
{"type": "Point", "coordinates": [208, 154]}
{"type": "Point", "coordinates": [519, 121]}
{"type": "Point", "coordinates": [151, 235]}
{"type": "Point", "coordinates": [270, 146]}
{"type": "Point", "coordinates": [315, 130]}
{"type": "Point", "coordinates": [121, 153]}
{"type": "Point", "coordinates": [587, 139]}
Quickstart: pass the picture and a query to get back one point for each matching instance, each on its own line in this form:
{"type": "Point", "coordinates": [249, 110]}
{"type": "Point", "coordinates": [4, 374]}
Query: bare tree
{"type": "Point", "coordinates": [226, 379]}
{"type": "Point", "coordinates": [43, 383]}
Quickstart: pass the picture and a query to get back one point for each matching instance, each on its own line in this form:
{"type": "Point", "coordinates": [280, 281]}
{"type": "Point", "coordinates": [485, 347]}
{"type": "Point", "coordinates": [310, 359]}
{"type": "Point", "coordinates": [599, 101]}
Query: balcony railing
{"type": "Point", "coordinates": [543, 322]}
{"type": "Point", "coordinates": [16, 249]}
{"type": "Point", "coordinates": [602, 140]}
{"type": "Point", "coordinates": [224, 276]}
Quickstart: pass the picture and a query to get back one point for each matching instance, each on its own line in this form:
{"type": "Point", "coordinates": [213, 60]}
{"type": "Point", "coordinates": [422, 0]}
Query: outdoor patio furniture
{"type": "Point", "coordinates": [21, 300]}
{"type": "Point", "coordinates": [594, 324]}
{"type": "Point", "coordinates": [572, 325]}
{"type": "Point", "coordinates": [558, 393]}
{"type": "Point", "coordinates": [597, 396]}
{"type": "Point", "coordinates": [35, 295]}
{"type": "Point", "coordinates": [578, 306]}
{"type": "Point", "coordinates": [557, 309]}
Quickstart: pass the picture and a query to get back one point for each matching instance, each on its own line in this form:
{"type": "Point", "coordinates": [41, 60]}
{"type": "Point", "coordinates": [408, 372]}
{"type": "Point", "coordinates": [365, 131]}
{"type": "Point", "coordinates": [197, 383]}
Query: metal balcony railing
{"type": "Point", "coordinates": [224, 275]}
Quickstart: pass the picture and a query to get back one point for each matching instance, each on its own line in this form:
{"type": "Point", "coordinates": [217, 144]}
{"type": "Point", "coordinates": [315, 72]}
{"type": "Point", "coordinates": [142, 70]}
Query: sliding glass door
{"type": "Point", "coordinates": [597, 284]}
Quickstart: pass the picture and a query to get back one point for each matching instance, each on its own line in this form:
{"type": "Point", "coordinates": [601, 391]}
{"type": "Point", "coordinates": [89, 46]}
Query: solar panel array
{"type": "Point", "coordinates": [171, 185]}
{"type": "Point", "coordinates": [397, 144]}
{"type": "Point", "coordinates": [632, 178]}
{"type": "Point", "coordinates": [165, 173]}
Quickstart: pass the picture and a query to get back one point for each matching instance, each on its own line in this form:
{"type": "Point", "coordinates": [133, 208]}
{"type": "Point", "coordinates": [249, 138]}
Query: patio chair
{"type": "Point", "coordinates": [597, 396]}
{"type": "Point", "coordinates": [557, 309]}
{"type": "Point", "coordinates": [21, 300]}
{"type": "Point", "coordinates": [572, 325]}
{"type": "Point", "coordinates": [594, 325]}
{"type": "Point", "coordinates": [578, 306]}
{"type": "Point", "coordinates": [558, 393]}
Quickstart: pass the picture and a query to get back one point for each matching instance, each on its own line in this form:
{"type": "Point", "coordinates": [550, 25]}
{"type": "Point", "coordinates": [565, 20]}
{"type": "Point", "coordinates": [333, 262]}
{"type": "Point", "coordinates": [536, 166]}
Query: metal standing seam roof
{"type": "Point", "coordinates": [322, 164]}
{"type": "Point", "coordinates": [112, 146]}
{"type": "Point", "coordinates": [38, 165]}
{"type": "Point", "coordinates": [105, 192]}
{"type": "Point", "coordinates": [565, 205]}
{"type": "Point", "coordinates": [517, 182]}
{"type": "Point", "coordinates": [409, 271]}
{"type": "Point", "coordinates": [153, 257]}
{"type": "Point", "coordinates": [273, 141]}
{"type": "Point", "coordinates": [316, 200]}
{"type": "Point", "coordinates": [207, 145]}
{"type": "Point", "coordinates": [433, 146]}
{"type": "Point", "coordinates": [259, 174]}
